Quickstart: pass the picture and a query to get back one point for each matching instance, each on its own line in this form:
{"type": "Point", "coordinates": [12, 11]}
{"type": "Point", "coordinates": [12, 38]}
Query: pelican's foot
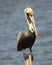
{"type": "Point", "coordinates": [26, 55]}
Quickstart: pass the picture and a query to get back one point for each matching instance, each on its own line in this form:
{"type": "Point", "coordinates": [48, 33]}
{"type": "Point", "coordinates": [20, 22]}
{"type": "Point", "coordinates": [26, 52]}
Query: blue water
{"type": "Point", "coordinates": [12, 20]}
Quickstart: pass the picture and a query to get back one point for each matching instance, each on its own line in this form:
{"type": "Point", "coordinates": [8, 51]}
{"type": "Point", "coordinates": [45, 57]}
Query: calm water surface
{"type": "Point", "coordinates": [12, 21]}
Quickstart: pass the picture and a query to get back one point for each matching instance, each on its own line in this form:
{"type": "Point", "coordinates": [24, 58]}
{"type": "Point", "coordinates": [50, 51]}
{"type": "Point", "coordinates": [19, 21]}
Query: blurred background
{"type": "Point", "coordinates": [12, 20]}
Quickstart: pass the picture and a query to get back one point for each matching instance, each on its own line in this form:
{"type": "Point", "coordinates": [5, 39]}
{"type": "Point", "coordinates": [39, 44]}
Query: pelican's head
{"type": "Point", "coordinates": [29, 14]}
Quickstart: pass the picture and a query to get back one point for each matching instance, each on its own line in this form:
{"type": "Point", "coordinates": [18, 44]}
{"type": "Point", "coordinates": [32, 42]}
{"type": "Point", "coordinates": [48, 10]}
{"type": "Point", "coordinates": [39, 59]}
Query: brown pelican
{"type": "Point", "coordinates": [26, 38]}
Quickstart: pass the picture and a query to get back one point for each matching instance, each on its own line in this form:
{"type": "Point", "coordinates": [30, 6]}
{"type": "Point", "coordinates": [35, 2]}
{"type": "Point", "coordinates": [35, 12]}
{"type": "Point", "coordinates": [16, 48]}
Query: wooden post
{"type": "Point", "coordinates": [28, 58]}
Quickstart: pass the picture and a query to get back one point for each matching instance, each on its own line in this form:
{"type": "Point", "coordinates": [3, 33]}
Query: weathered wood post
{"type": "Point", "coordinates": [28, 59]}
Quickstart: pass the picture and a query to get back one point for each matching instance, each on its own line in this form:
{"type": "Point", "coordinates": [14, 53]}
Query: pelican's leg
{"type": "Point", "coordinates": [31, 53]}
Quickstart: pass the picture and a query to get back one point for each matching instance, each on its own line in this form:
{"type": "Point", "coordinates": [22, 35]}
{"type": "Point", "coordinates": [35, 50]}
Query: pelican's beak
{"type": "Point", "coordinates": [32, 25]}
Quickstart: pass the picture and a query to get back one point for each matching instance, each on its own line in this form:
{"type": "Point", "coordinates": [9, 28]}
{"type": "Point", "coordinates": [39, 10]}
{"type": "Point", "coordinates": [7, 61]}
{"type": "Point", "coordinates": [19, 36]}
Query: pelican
{"type": "Point", "coordinates": [26, 38]}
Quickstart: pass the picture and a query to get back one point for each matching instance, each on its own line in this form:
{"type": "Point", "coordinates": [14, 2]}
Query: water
{"type": "Point", "coordinates": [12, 21]}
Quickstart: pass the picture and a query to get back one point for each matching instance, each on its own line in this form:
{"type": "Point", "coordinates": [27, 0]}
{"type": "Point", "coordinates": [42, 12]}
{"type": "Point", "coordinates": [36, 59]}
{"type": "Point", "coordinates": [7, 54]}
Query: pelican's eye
{"type": "Point", "coordinates": [27, 14]}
